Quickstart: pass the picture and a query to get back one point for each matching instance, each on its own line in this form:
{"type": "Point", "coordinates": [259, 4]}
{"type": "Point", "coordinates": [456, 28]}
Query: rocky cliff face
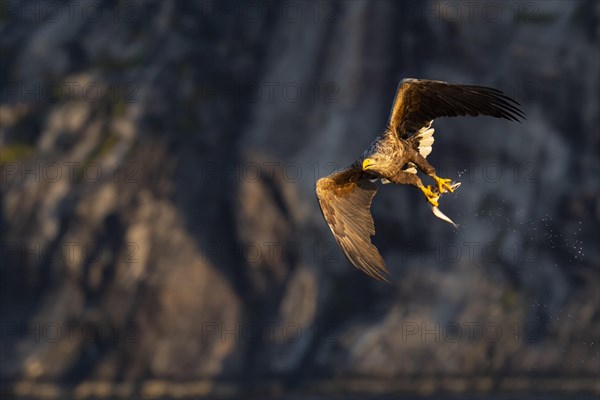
{"type": "Point", "coordinates": [158, 213]}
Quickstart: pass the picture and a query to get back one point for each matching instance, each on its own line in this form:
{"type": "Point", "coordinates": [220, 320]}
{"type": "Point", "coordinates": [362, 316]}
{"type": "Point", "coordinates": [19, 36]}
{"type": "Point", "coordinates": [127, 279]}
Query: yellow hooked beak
{"type": "Point", "coordinates": [368, 163]}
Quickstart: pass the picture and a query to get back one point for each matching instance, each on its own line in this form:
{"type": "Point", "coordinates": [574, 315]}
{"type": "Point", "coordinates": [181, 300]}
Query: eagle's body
{"type": "Point", "coordinates": [394, 156]}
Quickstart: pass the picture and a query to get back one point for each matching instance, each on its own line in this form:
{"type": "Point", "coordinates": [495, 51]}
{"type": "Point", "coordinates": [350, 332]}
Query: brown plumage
{"type": "Point", "coordinates": [394, 156]}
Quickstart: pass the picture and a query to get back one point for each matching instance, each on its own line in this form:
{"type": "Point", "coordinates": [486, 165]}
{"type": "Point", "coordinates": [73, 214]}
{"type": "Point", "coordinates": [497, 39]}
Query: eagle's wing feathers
{"type": "Point", "coordinates": [419, 101]}
{"type": "Point", "coordinates": [345, 199]}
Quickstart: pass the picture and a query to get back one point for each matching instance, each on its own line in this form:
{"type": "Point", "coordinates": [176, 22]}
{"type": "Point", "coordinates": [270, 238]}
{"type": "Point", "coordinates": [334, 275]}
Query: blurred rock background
{"type": "Point", "coordinates": [160, 233]}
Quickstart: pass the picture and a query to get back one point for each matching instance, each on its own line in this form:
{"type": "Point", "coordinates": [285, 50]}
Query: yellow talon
{"type": "Point", "coordinates": [430, 195]}
{"type": "Point", "coordinates": [443, 184]}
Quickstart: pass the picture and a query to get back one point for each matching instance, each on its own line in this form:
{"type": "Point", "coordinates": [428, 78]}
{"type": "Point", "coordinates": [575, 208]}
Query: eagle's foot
{"type": "Point", "coordinates": [431, 196]}
{"type": "Point", "coordinates": [444, 185]}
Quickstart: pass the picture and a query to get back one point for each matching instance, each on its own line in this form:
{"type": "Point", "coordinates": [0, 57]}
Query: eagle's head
{"type": "Point", "coordinates": [377, 163]}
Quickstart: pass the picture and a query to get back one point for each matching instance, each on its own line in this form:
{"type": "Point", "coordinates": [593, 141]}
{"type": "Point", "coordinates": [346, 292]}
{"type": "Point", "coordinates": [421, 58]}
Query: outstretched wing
{"type": "Point", "coordinates": [419, 101]}
{"type": "Point", "coordinates": [345, 199]}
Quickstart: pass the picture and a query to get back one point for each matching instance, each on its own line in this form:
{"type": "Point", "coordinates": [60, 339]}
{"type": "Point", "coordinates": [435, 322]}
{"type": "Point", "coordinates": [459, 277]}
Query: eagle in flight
{"type": "Point", "coordinates": [395, 155]}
